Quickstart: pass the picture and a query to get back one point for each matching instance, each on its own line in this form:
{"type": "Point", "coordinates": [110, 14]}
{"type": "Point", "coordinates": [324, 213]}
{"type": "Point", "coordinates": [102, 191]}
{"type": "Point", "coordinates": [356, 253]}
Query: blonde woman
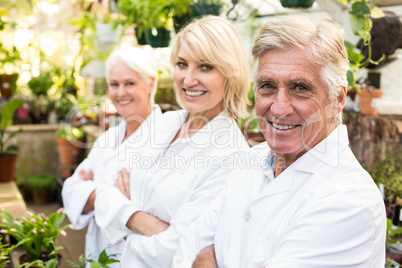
{"type": "Point", "coordinates": [132, 78]}
{"type": "Point", "coordinates": [194, 148]}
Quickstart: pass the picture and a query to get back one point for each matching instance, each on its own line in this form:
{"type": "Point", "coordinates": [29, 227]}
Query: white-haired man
{"type": "Point", "coordinates": [310, 203]}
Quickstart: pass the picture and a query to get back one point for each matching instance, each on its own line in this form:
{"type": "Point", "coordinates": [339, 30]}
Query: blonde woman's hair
{"type": "Point", "coordinates": [321, 40]}
{"type": "Point", "coordinates": [214, 41]}
{"type": "Point", "coordinates": [139, 60]}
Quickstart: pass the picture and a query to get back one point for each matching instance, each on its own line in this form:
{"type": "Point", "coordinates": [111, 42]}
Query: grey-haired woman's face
{"type": "Point", "coordinates": [129, 92]}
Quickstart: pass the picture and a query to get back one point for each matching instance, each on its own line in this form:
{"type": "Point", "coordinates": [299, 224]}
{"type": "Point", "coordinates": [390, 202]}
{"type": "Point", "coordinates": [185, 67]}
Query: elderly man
{"type": "Point", "coordinates": [310, 203]}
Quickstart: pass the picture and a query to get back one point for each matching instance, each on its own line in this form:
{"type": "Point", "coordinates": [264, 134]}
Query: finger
{"type": "Point", "coordinates": [82, 174]}
{"type": "Point", "coordinates": [91, 174]}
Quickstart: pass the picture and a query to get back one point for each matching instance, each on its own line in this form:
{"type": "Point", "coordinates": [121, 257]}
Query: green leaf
{"type": "Point", "coordinates": [351, 78]}
{"type": "Point", "coordinates": [7, 112]}
{"type": "Point", "coordinates": [12, 149]}
{"type": "Point", "coordinates": [103, 257]}
{"type": "Point", "coordinates": [357, 23]}
{"type": "Point", "coordinates": [360, 9]}
{"type": "Point", "coordinates": [376, 12]}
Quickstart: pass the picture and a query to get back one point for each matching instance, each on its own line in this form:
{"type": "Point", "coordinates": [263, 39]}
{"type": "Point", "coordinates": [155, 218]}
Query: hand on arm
{"type": "Point", "coordinates": [143, 223]}
{"type": "Point", "coordinates": [123, 182]}
{"type": "Point", "coordinates": [88, 176]}
{"type": "Point", "coordinates": [206, 258]}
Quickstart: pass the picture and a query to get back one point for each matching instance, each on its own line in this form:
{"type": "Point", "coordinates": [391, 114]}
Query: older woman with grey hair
{"type": "Point", "coordinates": [132, 77]}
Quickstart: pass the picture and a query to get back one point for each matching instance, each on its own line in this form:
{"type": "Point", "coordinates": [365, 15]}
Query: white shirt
{"type": "Point", "coordinates": [176, 188]}
{"type": "Point", "coordinates": [324, 210]}
{"type": "Point", "coordinates": [108, 156]}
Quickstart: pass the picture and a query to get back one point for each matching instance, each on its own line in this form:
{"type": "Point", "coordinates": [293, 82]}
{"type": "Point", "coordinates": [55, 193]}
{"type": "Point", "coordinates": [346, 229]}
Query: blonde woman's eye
{"type": "Point", "coordinates": [181, 64]}
{"type": "Point", "coordinates": [205, 67]}
{"type": "Point", "coordinates": [113, 84]}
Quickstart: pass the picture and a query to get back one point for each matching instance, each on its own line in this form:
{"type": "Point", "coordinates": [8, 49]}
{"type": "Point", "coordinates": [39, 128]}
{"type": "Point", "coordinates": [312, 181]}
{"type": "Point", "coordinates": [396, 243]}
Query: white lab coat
{"type": "Point", "coordinates": [182, 181]}
{"type": "Point", "coordinates": [107, 156]}
{"type": "Point", "coordinates": [323, 211]}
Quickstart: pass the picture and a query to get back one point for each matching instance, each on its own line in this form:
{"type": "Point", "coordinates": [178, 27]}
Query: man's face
{"type": "Point", "coordinates": [293, 110]}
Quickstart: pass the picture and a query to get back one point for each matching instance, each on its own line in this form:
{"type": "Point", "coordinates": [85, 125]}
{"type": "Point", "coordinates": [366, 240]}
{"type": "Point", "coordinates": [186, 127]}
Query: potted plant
{"type": "Point", "coordinates": [389, 263]}
{"type": "Point", "coordinates": [67, 139]}
{"type": "Point", "coordinates": [388, 176]}
{"type": "Point", "coordinates": [8, 155]}
{"type": "Point", "coordinates": [159, 23]}
{"type": "Point", "coordinates": [10, 59]}
{"type": "Point", "coordinates": [43, 187]}
{"type": "Point", "coordinates": [394, 236]}
{"type": "Point", "coordinates": [135, 14]}
{"type": "Point", "coordinates": [38, 233]}
{"type": "Point", "coordinates": [297, 3]}
{"type": "Point", "coordinates": [206, 7]}
{"type": "Point", "coordinates": [181, 13]}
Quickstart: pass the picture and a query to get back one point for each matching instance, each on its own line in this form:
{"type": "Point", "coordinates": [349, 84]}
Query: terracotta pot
{"type": "Point", "coordinates": [366, 97]}
{"type": "Point", "coordinates": [394, 256]}
{"type": "Point", "coordinates": [8, 85]}
{"type": "Point", "coordinates": [7, 167]}
{"type": "Point", "coordinates": [39, 197]}
{"type": "Point", "coordinates": [68, 152]}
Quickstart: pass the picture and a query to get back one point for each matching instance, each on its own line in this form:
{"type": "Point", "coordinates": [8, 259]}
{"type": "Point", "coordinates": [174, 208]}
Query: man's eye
{"type": "Point", "coordinates": [266, 87]}
{"type": "Point", "coordinates": [205, 67]}
{"type": "Point", "coordinates": [301, 88]}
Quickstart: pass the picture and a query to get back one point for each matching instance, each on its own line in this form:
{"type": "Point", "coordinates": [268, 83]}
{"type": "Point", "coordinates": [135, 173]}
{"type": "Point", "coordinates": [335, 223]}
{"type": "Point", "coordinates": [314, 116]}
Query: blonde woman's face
{"type": "Point", "coordinates": [200, 86]}
{"type": "Point", "coordinates": [129, 92]}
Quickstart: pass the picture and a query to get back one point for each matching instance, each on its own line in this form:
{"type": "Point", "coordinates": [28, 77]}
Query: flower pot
{"type": "Point", "coordinates": [159, 38]}
{"type": "Point", "coordinates": [8, 85]}
{"type": "Point", "coordinates": [68, 152]}
{"type": "Point", "coordinates": [7, 167]}
{"type": "Point", "coordinates": [39, 197]}
{"type": "Point", "coordinates": [180, 22]}
{"type": "Point", "coordinates": [395, 256]}
{"type": "Point", "coordinates": [366, 97]}
{"type": "Point", "coordinates": [141, 38]}
{"type": "Point", "coordinates": [297, 3]}
{"type": "Point", "coordinates": [198, 9]}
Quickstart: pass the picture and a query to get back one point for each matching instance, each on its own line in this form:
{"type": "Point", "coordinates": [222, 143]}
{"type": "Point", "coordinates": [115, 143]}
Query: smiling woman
{"type": "Point", "coordinates": [132, 76]}
{"type": "Point", "coordinates": [170, 186]}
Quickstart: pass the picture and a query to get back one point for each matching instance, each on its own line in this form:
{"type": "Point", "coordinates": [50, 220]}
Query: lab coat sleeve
{"type": "Point", "coordinates": [112, 211]}
{"type": "Point", "coordinates": [200, 234]}
{"type": "Point", "coordinates": [158, 250]}
{"type": "Point", "coordinates": [75, 194]}
{"type": "Point", "coordinates": [330, 233]}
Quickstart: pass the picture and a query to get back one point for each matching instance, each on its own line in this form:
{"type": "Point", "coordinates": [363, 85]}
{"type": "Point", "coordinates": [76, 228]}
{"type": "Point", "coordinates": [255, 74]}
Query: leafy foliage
{"type": "Point", "coordinates": [388, 173]}
{"type": "Point", "coordinates": [40, 230]}
{"type": "Point", "coordinates": [103, 261]}
{"type": "Point", "coordinates": [70, 133]}
{"type": "Point", "coordinates": [6, 120]}
{"type": "Point", "coordinates": [360, 12]}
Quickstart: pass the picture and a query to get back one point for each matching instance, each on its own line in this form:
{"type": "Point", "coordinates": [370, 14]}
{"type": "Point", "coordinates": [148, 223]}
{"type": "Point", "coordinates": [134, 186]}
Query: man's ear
{"type": "Point", "coordinates": [341, 99]}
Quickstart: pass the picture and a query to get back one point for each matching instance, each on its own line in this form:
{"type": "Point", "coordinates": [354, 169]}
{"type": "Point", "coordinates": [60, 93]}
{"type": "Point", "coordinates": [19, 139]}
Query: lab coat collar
{"type": "Point", "coordinates": [324, 153]}
{"type": "Point", "coordinates": [203, 136]}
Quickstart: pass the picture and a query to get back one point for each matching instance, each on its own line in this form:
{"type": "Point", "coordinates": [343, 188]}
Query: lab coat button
{"type": "Point", "coordinates": [247, 216]}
